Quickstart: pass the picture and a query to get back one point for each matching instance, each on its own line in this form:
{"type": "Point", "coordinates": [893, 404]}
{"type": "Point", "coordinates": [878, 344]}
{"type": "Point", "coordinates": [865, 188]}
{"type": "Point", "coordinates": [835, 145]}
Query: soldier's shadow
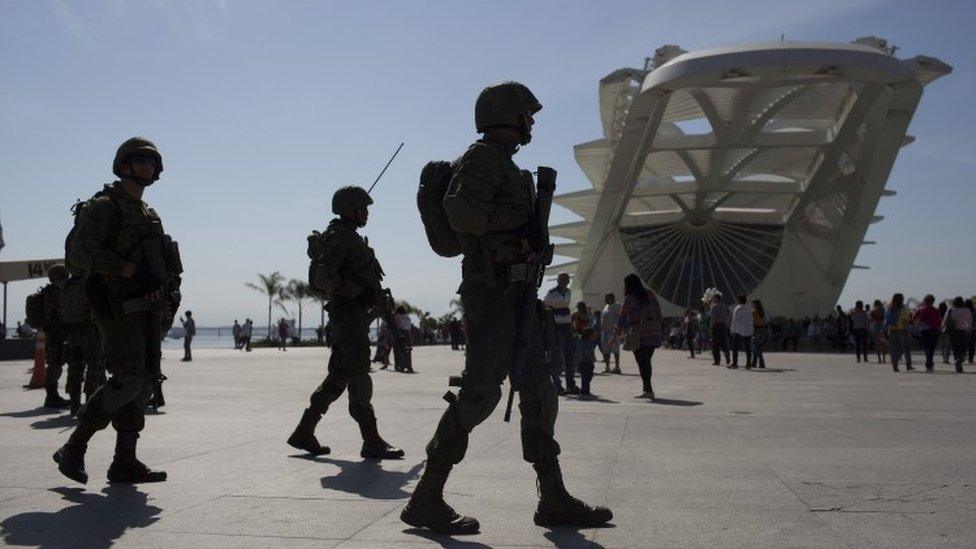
{"type": "Point", "coordinates": [368, 479]}
{"type": "Point", "coordinates": [94, 521]}
{"type": "Point", "coordinates": [36, 412]}
{"type": "Point", "coordinates": [55, 422]}
{"type": "Point", "coordinates": [445, 540]}
{"type": "Point", "coordinates": [568, 536]}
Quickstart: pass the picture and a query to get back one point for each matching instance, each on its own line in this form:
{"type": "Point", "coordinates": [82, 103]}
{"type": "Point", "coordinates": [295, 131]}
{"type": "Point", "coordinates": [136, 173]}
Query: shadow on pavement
{"type": "Point", "coordinates": [675, 402]}
{"type": "Point", "coordinates": [36, 412]}
{"type": "Point", "coordinates": [95, 521]}
{"type": "Point", "coordinates": [771, 370]}
{"type": "Point", "coordinates": [567, 536]}
{"type": "Point", "coordinates": [592, 398]}
{"type": "Point", "coordinates": [368, 479]}
{"type": "Point", "coordinates": [445, 540]}
{"type": "Point", "coordinates": [55, 422]}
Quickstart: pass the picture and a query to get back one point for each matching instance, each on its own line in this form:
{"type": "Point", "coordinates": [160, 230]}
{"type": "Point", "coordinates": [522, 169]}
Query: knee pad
{"type": "Point", "coordinates": [327, 393]}
{"type": "Point", "coordinates": [93, 413]}
{"type": "Point", "coordinates": [129, 418]}
{"type": "Point", "coordinates": [473, 407]}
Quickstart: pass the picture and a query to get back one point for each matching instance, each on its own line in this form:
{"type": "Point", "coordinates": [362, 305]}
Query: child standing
{"type": "Point", "coordinates": [585, 350]}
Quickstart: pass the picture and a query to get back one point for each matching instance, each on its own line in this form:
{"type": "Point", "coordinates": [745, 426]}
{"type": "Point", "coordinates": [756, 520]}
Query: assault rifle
{"type": "Point", "coordinates": [538, 236]}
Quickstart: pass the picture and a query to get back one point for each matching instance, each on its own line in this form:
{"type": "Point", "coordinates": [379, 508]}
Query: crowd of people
{"type": "Point", "coordinates": [888, 331]}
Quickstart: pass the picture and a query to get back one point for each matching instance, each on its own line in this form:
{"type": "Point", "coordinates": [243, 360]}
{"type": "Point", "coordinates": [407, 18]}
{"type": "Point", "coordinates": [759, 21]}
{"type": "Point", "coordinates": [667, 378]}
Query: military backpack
{"type": "Point", "coordinates": [435, 180]}
{"type": "Point", "coordinates": [316, 267]}
{"type": "Point", "coordinates": [36, 310]}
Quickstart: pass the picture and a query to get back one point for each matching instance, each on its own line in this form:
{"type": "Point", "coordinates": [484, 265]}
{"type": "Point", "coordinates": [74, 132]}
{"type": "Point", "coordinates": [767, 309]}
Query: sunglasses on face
{"type": "Point", "coordinates": [143, 160]}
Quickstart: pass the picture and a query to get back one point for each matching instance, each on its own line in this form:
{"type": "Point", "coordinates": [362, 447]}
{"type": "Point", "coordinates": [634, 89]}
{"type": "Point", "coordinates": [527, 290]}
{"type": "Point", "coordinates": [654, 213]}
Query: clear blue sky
{"type": "Point", "coordinates": [262, 109]}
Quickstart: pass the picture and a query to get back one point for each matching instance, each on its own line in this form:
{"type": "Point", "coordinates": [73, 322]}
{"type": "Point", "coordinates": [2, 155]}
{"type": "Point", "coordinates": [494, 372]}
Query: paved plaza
{"type": "Point", "coordinates": [816, 451]}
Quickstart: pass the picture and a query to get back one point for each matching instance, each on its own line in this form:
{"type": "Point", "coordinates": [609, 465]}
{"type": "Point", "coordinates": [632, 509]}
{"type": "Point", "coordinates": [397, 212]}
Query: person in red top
{"type": "Point", "coordinates": [581, 319]}
{"type": "Point", "coordinates": [929, 322]}
{"type": "Point", "coordinates": [641, 317]}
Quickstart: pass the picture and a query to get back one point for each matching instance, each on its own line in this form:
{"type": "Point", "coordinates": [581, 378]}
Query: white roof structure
{"type": "Point", "coordinates": [754, 169]}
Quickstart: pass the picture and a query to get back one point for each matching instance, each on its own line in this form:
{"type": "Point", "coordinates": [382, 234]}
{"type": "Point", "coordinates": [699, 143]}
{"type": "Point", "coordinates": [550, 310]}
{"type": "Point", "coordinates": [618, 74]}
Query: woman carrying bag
{"type": "Point", "coordinates": [640, 319]}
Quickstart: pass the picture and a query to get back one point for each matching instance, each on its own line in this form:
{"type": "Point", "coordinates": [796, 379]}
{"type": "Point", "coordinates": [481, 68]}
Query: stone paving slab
{"type": "Point", "coordinates": [816, 451]}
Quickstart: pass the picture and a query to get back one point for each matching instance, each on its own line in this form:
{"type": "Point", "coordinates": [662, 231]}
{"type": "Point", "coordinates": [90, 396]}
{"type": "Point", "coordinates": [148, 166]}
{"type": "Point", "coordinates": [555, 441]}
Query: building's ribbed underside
{"type": "Point", "coordinates": [715, 164]}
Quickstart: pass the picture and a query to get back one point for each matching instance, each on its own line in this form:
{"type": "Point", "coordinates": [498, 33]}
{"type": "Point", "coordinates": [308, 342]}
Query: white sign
{"type": "Point", "coordinates": [26, 270]}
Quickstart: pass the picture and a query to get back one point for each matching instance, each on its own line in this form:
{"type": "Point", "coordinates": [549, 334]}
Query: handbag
{"type": "Point", "coordinates": [631, 341]}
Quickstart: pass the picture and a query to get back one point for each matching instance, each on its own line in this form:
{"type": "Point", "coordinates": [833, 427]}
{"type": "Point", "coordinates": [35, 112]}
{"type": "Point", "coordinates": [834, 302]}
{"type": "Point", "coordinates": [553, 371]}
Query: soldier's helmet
{"type": "Point", "coordinates": [57, 273]}
{"type": "Point", "coordinates": [133, 146]}
{"type": "Point", "coordinates": [504, 104]}
{"type": "Point", "coordinates": [349, 199]}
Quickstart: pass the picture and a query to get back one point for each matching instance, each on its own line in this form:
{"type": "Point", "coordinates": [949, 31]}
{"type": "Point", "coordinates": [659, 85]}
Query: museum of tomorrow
{"type": "Point", "coordinates": [753, 169]}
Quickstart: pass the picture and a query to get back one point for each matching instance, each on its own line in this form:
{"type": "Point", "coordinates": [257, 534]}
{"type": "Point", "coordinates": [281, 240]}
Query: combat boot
{"type": "Point", "coordinates": [303, 438]}
{"type": "Point", "coordinates": [374, 447]}
{"type": "Point", "coordinates": [427, 508]}
{"type": "Point", "coordinates": [557, 507]}
{"type": "Point", "coordinates": [125, 467]}
{"type": "Point", "coordinates": [377, 448]}
{"type": "Point", "coordinates": [71, 457]}
{"type": "Point", "coordinates": [53, 399]}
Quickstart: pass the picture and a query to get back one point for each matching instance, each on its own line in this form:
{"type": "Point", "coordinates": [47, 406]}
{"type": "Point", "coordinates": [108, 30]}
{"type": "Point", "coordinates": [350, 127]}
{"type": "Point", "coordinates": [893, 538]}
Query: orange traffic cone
{"type": "Point", "coordinates": [40, 373]}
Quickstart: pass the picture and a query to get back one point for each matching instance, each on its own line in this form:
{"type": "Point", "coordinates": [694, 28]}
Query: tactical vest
{"type": "Point", "coordinates": [136, 236]}
{"type": "Point", "coordinates": [359, 266]}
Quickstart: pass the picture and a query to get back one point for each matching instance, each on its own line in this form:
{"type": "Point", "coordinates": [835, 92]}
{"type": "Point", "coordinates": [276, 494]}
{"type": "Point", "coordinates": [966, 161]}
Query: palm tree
{"type": "Point", "coordinates": [299, 292]}
{"type": "Point", "coordinates": [271, 285]}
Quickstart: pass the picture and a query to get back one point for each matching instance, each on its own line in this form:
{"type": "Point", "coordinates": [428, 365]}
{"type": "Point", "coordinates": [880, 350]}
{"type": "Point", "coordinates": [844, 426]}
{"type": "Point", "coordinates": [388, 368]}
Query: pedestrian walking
{"type": "Point", "coordinates": [557, 300]}
{"type": "Point", "coordinates": [760, 333]}
{"type": "Point", "coordinates": [878, 333]}
{"type": "Point", "coordinates": [454, 328]}
{"type": "Point", "coordinates": [608, 334]}
{"type": "Point", "coordinates": [691, 330]}
{"type": "Point", "coordinates": [742, 331]}
{"type": "Point", "coordinates": [246, 331]}
{"type": "Point", "coordinates": [719, 319]}
{"type": "Point", "coordinates": [282, 334]}
{"type": "Point", "coordinates": [929, 325]}
{"type": "Point", "coordinates": [640, 318]}
{"type": "Point", "coordinates": [860, 323]}
{"type": "Point", "coordinates": [958, 324]}
{"type": "Point", "coordinates": [585, 347]}
{"type": "Point", "coordinates": [236, 330]}
{"type": "Point", "coordinates": [384, 344]}
{"type": "Point", "coordinates": [897, 320]}
{"type": "Point", "coordinates": [972, 333]}
{"type": "Point", "coordinates": [189, 330]}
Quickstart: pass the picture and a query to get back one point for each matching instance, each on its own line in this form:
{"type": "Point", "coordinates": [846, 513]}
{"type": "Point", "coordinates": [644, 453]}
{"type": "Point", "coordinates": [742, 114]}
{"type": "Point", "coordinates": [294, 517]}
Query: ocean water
{"type": "Point", "coordinates": [222, 338]}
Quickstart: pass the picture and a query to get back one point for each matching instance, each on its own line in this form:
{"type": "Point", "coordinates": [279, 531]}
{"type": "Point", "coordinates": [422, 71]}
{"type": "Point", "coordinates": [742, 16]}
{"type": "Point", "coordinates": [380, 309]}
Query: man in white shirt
{"type": "Point", "coordinates": [558, 300]}
{"type": "Point", "coordinates": [742, 328]}
{"type": "Point", "coordinates": [608, 336]}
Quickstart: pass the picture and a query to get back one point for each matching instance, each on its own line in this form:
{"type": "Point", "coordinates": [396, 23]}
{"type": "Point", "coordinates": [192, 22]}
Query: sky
{"type": "Point", "coordinates": [261, 109]}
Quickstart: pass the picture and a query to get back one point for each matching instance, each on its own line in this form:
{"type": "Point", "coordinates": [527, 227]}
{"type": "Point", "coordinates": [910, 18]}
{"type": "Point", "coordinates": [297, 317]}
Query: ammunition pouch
{"type": "Point", "coordinates": [76, 307]}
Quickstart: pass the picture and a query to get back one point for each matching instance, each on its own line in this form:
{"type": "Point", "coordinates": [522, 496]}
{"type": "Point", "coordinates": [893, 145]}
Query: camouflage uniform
{"type": "Point", "coordinates": [113, 230]}
{"type": "Point", "coordinates": [349, 276]}
{"type": "Point", "coordinates": [55, 345]}
{"type": "Point", "coordinates": [86, 366]}
{"type": "Point", "coordinates": [486, 177]}
{"type": "Point", "coordinates": [490, 204]}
